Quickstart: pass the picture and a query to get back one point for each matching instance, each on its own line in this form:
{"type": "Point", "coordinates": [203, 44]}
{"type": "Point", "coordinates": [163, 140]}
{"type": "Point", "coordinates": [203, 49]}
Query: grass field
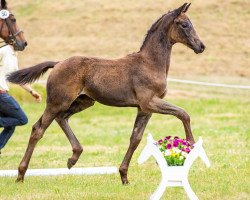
{"type": "Point", "coordinates": [56, 30]}
{"type": "Point", "coordinates": [220, 116]}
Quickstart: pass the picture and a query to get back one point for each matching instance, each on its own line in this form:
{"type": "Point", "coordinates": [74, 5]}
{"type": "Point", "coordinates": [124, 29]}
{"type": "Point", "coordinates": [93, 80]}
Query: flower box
{"type": "Point", "coordinates": [173, 176]}
{"type": "Point", "coordinates": [174, 150]}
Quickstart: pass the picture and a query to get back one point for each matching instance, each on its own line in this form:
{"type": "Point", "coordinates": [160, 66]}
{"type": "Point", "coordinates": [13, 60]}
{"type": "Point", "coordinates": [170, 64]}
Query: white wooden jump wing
{"type": "Point", "coordinates": [173, 175]}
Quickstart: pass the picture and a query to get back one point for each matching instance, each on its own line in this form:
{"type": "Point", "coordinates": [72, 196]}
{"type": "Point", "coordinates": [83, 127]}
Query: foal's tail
{"type": "Point", "coordinates": [29, 75]}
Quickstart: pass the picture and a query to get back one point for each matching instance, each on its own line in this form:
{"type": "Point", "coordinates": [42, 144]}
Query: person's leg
{"type": "Point", "coordinates": [11, 115]}
{"type": "Point", "coordinates": [11, 112]}
{"type": "Point", "coordinates": [5, 135]}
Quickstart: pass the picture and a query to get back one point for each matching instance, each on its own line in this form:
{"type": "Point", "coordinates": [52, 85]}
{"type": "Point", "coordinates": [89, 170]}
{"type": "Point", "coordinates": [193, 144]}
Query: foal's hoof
{"type": "Point", "coordinates": [125, 182]}
{"type": "Point", "coordinates": [191, 141]}
{"type": "Point", "coordinates": [19, 180]}
{"type": "Point", "coordinates": [70, 163]}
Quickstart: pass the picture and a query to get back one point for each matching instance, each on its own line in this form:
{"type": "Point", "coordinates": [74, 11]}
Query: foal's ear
{"type": "Point", "coordinates": [181, 9]}
{"type": "Point", "coordinates": [186, 8]}
{"type": "Point", "coordinates": [3, 4]}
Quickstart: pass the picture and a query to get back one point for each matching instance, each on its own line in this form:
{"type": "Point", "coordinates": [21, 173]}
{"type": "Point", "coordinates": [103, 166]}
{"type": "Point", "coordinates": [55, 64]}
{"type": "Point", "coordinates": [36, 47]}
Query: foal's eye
{"type": "Point", "coordinates": [184, 25]}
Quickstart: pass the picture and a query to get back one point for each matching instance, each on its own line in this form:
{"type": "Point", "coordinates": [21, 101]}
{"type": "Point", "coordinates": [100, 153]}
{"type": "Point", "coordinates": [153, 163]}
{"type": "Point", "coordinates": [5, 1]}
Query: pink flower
{"type": "Point", "coordinates": [160, 141]}
{"type": "Point", "coordinates": [169, 146]}
{"type": "Point", "coordinates": [187, 150]}
{"type": "Point", "coordinates": [176, 143]}
{"type": "Point", "coordinates": [168, 137]}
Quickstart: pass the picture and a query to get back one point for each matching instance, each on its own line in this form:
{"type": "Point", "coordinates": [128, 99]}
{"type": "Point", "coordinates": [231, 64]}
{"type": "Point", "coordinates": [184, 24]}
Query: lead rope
{"type": "Point", "coordinates": [4, 44]}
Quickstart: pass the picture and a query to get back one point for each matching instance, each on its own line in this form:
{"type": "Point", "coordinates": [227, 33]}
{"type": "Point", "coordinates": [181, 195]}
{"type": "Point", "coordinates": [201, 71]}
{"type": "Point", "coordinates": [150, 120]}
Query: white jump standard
{"type": "Point", "coordinates": [173, 176]}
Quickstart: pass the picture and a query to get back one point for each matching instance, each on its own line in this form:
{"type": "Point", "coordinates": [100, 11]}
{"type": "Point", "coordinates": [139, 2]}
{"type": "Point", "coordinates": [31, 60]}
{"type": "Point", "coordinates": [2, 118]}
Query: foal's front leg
{"type": "Point", "coordinates": [139, 127]}
{"type": "Point", "coordinates": [157, 105]}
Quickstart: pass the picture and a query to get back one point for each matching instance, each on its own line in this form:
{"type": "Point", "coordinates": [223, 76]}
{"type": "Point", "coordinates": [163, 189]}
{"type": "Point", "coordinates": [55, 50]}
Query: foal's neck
{"type": "Point", "coordinates": [157, 47]}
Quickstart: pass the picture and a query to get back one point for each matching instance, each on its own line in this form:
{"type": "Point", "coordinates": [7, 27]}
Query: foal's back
{"type": "Point", "coordinates": [110, 82]}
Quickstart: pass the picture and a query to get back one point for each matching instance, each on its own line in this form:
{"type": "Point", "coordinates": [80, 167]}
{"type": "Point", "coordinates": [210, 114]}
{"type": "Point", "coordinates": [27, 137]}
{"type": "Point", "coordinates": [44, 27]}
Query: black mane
{"type": "Point", "coordinates": [153, 29]}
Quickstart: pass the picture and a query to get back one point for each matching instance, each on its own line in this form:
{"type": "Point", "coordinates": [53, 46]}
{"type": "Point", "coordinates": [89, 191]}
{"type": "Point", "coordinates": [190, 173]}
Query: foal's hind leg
{"type": "Point", "coordinates": [139, 127]}
{"type": "Point", "coordinates": [81, 103]}
{"type": "Point", "coordinates": [37, 132]}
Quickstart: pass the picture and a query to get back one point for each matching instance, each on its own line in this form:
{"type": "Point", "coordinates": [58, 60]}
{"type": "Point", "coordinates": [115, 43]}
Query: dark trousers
{"type": "Point", "coordinates": [11, 115]}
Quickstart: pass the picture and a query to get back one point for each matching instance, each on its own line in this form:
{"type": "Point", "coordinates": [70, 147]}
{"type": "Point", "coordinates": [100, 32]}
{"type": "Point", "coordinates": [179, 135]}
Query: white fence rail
{"type": "Point", "coordinates": [63, 171]}
{"type": "Point", "coordinates": [209, 84]}
{"type": "Point", "coordinates": [193, 83]}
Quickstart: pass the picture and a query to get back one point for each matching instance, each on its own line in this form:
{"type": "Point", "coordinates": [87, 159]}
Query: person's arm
{"type": "Point", "coordinates": [35, 94]}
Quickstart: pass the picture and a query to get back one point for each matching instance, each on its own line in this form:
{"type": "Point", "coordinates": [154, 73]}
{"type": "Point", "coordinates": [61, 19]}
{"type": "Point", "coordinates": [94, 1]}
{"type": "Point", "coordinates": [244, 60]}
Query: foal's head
{"type": "Point", "coordinates": [9, 30]}
{"type": "Point", "coordinates": [183, 31]}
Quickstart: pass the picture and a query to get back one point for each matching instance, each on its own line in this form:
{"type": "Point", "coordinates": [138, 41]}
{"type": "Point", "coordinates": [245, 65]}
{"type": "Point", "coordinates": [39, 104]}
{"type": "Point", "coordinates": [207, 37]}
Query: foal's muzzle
{"type": "Point", "coordinates": [199, 48]}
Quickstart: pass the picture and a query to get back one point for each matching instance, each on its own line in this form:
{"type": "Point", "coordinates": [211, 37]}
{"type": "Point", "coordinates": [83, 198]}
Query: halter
{"type": "Point", "coordinates": [11, 40]}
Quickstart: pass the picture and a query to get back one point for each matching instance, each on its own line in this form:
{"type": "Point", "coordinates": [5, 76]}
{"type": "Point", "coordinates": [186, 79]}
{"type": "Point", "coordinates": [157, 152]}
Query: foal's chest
{"type": "Point", "coordinates": [158, 84]}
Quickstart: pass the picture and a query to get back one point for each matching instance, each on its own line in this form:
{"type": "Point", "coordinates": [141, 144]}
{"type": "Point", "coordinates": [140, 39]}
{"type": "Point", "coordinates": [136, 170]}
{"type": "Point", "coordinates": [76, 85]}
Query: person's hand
{"type": "Point", "coordinates": [36, 95]}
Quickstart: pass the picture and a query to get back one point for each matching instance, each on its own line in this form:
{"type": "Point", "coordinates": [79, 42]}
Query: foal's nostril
{"type": "Point", "coordinates": [202, 47]}
{"type": "Point", "coordinates": [25, 44]}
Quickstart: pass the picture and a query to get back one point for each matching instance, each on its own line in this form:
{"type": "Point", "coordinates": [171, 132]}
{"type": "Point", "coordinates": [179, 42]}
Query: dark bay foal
{"type": "Point", "coordinates": [136, 80]}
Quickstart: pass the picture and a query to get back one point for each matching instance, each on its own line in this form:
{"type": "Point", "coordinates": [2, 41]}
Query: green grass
{"type": "Point", "coordinates": [56, 30]}
{"type": "Point", "coordinates": [220, 116]}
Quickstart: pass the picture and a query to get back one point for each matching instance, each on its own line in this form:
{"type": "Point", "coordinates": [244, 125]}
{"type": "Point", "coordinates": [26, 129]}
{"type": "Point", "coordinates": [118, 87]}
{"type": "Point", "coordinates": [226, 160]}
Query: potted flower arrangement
{"type": "Point", "coordinates": [174, 150]}
{"type": "Point", "coordinates": [174, 157]}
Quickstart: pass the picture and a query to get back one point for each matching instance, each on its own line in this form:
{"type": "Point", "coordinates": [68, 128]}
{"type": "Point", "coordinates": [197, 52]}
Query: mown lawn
{"type": "Point", "coordinates": [112, 29]}
{"type": "Point", "coordinates": [220, 116]}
